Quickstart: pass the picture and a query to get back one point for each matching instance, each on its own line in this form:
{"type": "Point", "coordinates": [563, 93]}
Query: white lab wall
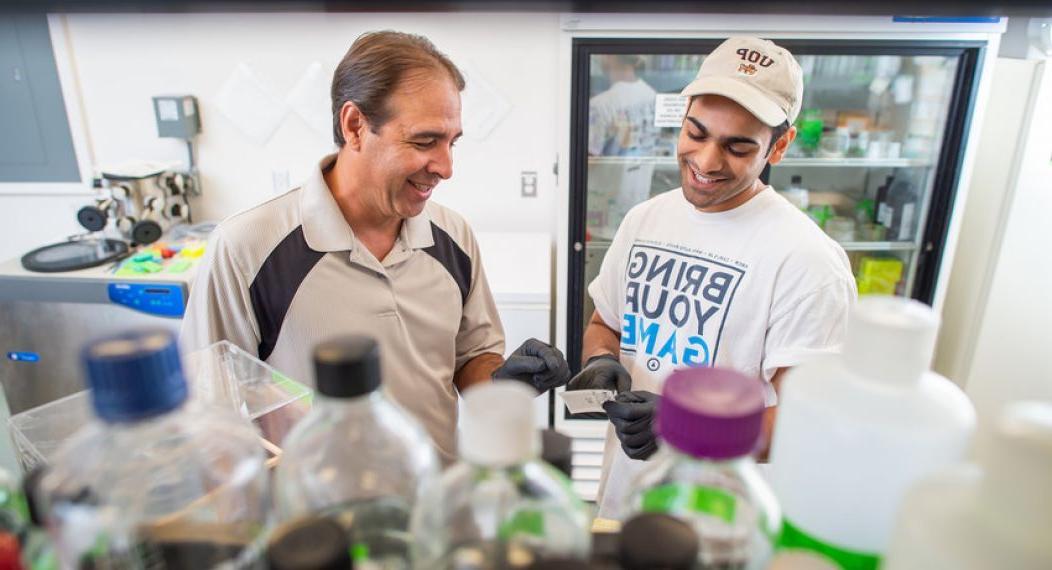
{"type": "Point", "coordinates": [1010, 357]}
{"type": "Point", "coordinates": [985, 216]}
{"type": "Point", "coordinates": [119, 61]}
{"type": "Point", "coordinates": [32, 221]}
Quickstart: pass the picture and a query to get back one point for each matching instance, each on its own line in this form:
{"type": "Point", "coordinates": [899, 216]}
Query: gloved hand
{"type": "Point", "coordinates": [537, 364]}
{"type": "Point", "coordinates": [632, 414]}
{"type": "Point", "coordinates": [603, 372]}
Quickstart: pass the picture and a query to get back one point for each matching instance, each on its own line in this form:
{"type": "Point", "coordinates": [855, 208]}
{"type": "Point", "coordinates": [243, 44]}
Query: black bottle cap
{"type": "Point", "coordinates": [347, 367]}
{"type": "Point", "coordinates": [556, 449]}
{"type": "Point", "coordinates": [310, 544]}
{"type": "Point", "coordinates": [657, 542]}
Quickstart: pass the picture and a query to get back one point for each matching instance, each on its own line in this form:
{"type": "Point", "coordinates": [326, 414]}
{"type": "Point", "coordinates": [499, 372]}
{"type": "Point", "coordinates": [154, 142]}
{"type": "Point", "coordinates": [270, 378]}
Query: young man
{"type": "Point", "coordinates": [359, 249]}
{"type": "Point", "coordinates": [721, 272]}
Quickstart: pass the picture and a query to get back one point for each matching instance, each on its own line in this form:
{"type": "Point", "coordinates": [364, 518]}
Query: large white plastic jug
{"type": "Point", "coordinates": [997, 514]}
{"type": "Point", "coordinates": [855, 430]}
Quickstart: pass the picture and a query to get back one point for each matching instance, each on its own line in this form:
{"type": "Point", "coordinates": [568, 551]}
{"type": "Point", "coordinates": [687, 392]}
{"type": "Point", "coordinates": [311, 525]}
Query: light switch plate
{"type": "Point", "coordinates": [529, 183]}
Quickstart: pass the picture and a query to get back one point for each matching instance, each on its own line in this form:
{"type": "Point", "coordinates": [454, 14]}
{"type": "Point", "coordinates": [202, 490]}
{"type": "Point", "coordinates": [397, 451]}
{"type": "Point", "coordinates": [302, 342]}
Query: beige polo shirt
{"type": "Point", "coordinates": [285, 275]}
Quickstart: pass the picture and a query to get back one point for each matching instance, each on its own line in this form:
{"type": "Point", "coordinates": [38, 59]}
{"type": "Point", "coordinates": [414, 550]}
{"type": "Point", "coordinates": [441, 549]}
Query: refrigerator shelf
{"type": "Point", "coordinates": [602, 244]}
{"type": "Point", "coordinates": [667, 160]}
{"type": "Point", "coordinates": [857, 162]}
{"type": "Point", "coordinates": [878, 245]}
{"type": "Point", "coordinates": [798, 162]}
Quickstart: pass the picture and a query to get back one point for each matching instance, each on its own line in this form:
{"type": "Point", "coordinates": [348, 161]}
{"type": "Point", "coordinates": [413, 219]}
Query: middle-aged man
{"type": "Point", "coordinates": [720, 272]}
{"type": "Point", "coordinates": [360, 249]}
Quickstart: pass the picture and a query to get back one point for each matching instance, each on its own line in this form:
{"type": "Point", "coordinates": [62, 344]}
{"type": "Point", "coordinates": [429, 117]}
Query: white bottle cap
{"type": "Point", "coordinates": [497, 427]}
{"type": "Point", "coordinates": [890, 339]}
{"type": "Point", "coordinates": [1018, 466]}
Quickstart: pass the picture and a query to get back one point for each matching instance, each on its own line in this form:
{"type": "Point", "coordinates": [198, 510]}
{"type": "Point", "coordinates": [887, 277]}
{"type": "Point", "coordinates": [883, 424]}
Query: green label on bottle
{"type": "Point", "coordinates": [523, 522]}
{"type": "Point", "coordinates": [681, 498]}
{"type": "Point", "coordinates": [795, 538]}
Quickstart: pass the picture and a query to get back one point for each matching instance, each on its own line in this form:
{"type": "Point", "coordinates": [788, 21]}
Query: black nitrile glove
{"type": "Point", "coordinates": [632, 414]}
{"type": "Point", "coordinates": [603, 372]}
{"type": "Point", "coordinates": [537, 364]}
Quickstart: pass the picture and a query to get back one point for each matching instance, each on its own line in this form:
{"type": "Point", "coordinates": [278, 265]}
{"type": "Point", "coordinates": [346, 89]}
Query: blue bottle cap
{"type": "Point", "coordinates": [134, 375]}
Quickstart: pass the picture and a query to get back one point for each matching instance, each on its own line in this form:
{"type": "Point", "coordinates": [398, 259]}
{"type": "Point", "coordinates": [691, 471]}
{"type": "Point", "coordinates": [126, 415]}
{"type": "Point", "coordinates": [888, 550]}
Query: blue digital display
{"type": "Point", "coordinates": [23, 356]}
{"type": "Point", "coordinates": [155, 298]}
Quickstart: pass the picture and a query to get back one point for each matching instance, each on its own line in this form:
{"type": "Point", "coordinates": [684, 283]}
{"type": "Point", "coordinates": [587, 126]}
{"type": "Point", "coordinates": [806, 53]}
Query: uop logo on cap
{"type": "Point", "coordinates": [759, 75]}
{"type": "Point", "coordinates": [753, 56]}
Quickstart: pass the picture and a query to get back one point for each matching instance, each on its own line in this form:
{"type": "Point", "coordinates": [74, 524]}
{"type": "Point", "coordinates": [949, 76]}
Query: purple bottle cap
{"type": "Point", "coordinates": [711, 413]}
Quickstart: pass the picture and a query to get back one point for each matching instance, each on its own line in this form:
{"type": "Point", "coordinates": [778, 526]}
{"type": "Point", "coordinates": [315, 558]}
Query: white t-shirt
{"type": "Point", "coordinates": [621, 120]}
{"type": "Point", "coordinates": [756, 288]}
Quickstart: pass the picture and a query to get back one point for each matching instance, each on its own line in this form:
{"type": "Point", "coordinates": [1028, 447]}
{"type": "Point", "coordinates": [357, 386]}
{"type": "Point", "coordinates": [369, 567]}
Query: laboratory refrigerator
{"type": "Point", "coordinates": [876, 163]}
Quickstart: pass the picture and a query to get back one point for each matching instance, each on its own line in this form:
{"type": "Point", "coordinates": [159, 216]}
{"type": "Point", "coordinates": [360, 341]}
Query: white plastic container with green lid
{"type": "Point", "coordinates": [994, 514]}
{"type": "Point", "coordinates": [855, 430]}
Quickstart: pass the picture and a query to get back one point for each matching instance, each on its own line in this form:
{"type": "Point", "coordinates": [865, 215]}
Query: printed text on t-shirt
{"type": "Point", "coordinates": [675, 306]}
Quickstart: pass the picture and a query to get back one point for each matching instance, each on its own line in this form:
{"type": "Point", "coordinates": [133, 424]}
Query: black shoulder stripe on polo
{"type": "Point", "coordinates": [276, 283]}
{"type": "Point", "coordinates": [456, 262]}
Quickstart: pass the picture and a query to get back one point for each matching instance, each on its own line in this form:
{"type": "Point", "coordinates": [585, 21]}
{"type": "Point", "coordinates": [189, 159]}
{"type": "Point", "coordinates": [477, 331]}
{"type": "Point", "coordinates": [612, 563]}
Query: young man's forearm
{"type": "Point", "coordinates": [769, 417]}
{"type": "Point", "coordinates": [599, 339]}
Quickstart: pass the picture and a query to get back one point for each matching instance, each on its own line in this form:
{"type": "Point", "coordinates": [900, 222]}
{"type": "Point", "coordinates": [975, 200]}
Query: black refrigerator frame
{"type": "Point", "coordinates": [970, 56]}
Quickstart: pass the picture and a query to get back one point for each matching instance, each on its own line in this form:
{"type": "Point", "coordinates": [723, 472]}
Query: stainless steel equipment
{"type": "Point", "coordinates": [139, 203]}
{"type": "Point", "coordinates": [45, 318]}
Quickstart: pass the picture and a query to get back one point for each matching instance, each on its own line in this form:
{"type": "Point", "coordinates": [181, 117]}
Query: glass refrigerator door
{"type": "Point", "coordinates": [634, 118]}
{"type": "Point", "coordinates": [862, 166]}
{"type": "Point", "coordinates": [864, 161]}
{"type": "Point", "coordinates": [875, 162]}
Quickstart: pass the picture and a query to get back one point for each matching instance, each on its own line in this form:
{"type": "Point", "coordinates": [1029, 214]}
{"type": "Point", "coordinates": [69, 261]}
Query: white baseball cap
{"type": "Point", "coordinates": [755, 73]}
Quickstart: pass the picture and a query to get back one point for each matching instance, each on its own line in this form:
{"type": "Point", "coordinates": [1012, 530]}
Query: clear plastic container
{"type": "Point", "coordinates": [994, 514]}
{"type": "Point", "coordinates": [841, 229]}
{"type": "Point", "coordinates": [500, 506]}
{"type": "Point", "coordinates": [796, 193]}
{"type": "Point", "coordinates": [153, 481]}
{"type": "Point", "coordinates": [710, 420]}
{"type": "Point", "coordinates": [221, 375]}
{"type": "Point", "coordinates": [224, 375]}
{"type": "Point", "coordinates": [357, 457]}
{"type": "Point", "coordinates": [856, 430]}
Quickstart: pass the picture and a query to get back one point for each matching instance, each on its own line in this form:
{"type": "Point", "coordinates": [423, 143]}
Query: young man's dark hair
{"type": "Point", "coordinates": [776, 133]}
{"type": "Point", "coordinates": [374, 66]}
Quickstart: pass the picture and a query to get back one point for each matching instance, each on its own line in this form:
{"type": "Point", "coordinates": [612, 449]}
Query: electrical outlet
{"type": "Point", "coordinates": [529, 183]}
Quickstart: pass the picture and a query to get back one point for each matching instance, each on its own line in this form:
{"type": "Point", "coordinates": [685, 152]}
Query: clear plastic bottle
{"type": "Point", "coordinates": [500, 506]}
{"type": "Point", "coordinates": [796, 193]}
{"type": "Point", "coordinates": [356, 457]}
{"type": "Point", "coordinates": [154, 482]}
{"type": "Point", "coordinates": [994, 514]}
{"type": "Point", "coordinates": [710, 420]}
{"type": "Point", "coordinates": [855, 430]}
